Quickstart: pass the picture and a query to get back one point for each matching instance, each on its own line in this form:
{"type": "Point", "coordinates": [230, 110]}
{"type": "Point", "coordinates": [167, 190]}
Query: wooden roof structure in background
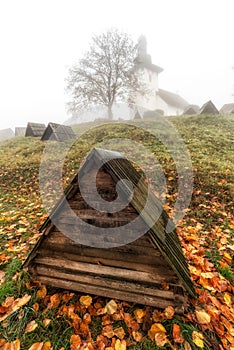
{"type": "Point", "coordinates": [20, 131]}
{"type": "Point", "coordinates": [6, 134]}
{"type": "Point", "coordinates": [228, 108]}
{"type": "Point", "coordinates": [58, 132]}
{"type": "Point", "coordinates": [191, 110]}
{"type": "Point", "coordinates": [137, 271]}
{"type": "Point", "coordinates": [208, 108]}
{"type": "Point", "coordinates": [35, 129]}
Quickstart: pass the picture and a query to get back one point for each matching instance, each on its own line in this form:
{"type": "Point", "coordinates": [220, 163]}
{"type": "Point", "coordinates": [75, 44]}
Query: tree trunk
{"type": "Point", "coordinates": [110, 113]}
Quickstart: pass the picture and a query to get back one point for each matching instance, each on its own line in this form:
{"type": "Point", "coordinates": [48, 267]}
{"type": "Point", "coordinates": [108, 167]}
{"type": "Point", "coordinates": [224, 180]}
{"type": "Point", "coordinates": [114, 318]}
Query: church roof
{"type": "Point", "coordinates": [172, 99]}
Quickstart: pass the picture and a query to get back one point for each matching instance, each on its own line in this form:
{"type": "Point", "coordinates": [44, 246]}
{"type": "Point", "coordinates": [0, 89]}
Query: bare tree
{"type": "Point", "coordinates": [105, 74]}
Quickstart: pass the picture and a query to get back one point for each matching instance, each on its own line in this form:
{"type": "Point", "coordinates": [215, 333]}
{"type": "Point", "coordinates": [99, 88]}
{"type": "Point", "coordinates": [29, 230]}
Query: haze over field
{"type": "Point", "coordinates": [191, 40]}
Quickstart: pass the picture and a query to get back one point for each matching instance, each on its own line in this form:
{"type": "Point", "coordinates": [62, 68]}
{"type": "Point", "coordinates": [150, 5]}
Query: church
{"type": "Point", "coordinates": [154, 99]}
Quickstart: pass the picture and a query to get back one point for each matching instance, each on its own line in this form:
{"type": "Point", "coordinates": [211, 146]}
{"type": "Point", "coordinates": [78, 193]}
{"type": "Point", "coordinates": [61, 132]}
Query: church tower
{"type": "Point", "coordinates": [147, 74]}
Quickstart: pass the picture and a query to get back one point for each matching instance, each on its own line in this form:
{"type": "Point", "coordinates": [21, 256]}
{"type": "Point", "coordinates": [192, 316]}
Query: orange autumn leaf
{"type": "Point", "coordinates": [177, 334]}
{"type": "Point", "coordinates": [75, 342]}
{"type": "Point", "coordinates": [46, 346]}
{"type": "Point", "coordinates": [46, 322]}
{"type": "Point", "coordinates": [169, 312]}
{"type": "Point", "coordinates": [36, 346]}
{"type": "Point", "coordinates": [108, 331]}
{"type": "Point", "coordinates": [137, 336]}
{"type": "Point", "coordinates": [119, 332]}
{"type": "Point", "coordinates": [86, 300]}
{"type": "Point", "coordinates": [12, 305]}
{"type": "Point", "coordinates": [41, 293]}
{"type": "Point", "coordinates": [54, 301]}
{"type": "Point", "coordinates": [15, 345]}
{"type": "Point", "coordinates": [31, 326]}
{"type": "Point", "coordinates": [84, 330]}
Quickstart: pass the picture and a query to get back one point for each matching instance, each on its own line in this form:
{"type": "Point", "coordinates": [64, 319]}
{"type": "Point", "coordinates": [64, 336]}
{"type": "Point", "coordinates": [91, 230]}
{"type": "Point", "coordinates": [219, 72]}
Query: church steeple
{"type": "Point", "coordinates": [142, 55]}
{"type": "Point", "coordinates": [143, 59]}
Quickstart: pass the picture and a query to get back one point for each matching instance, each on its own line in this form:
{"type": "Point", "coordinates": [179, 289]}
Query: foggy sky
{"type": "Point", "coordinates": [191, 39]}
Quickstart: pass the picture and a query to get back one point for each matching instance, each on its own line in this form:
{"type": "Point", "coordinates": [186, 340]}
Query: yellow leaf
{"type": "Point", "coordinates": [198, 339]}
{"type": "Point", "coordinates": [86, 300]}
{"type": "Point", "coordinates": [111, 307]}
{"type": "Point", "coordinates": [156, 328]}
{"type": "Point", "coordinates": [139, 314]}
{"type": "Point", "coordinates": [36, 346]}
{"type": "Point", "coordinates": [31, 326]}
{"type": "Point", "coordinates": [227, 299]}
{"type": "Point", "coordinates": [120, 345]}
{"type": "Point", "coordinates": [202, 317]}
{"type": "Point", "coordinates": [41, 293]}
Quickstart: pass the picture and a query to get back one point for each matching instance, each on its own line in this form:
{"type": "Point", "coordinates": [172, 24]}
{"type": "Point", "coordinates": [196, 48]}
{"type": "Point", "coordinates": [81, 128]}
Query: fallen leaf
{"type": "Point", "coordinates": [156, 328]}
{"type": "Point", "coordinates": [197, 338]}
{"type": "Point", "coordinates": [54, 301]}
{"type": "Point", "coordinates": [137, 336]}
{"type": "Point", "coordinates": [86, 300]}
{"type": "Point", "coordinates": [119, 332]}
{"type": "Point", "coordinates": [75, 342]}
{"type": "Point", "coordinates": [31, 326]}
{"type": "Point", "coordinates": [36, 346]}
{"type": "Point", "coordinates": [187, 346]}
{"type": "Point", "coordinates": [139, 314]}
{"type": "Point", "coordinates": [177, 334]}
{"type": "Point", "coordinates": [202, 317]}
{"type": "Point", "coordinates": [111, 307]}
{"type": "Point", "coordinates": [120, 345]}
{"type": "Point", "coordinates": [46, 322]}
{"type": "Point", "coordinates": [41, 293]}
{"type": "Point", "coordinates": [160, 339]}
{"type": "Point", "coordinates": [169, 312]}
{"type": "Point", "coordinates": [46, 345]}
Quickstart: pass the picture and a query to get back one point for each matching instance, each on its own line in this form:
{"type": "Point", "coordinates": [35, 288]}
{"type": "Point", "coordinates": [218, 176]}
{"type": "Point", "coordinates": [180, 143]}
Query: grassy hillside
{"type": "Point", "coordinates": [31, 313]}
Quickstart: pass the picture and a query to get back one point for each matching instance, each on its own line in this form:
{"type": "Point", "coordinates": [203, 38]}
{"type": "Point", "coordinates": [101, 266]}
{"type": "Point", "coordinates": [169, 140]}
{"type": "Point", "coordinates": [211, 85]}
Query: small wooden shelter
{"type": "Point", "coordinates": [20, 131]}
{"type": "Point", "coordinates": [58, 132]}
{"type": "Point", "coordinates": [228, 108]}
{"type": "Point", "coordinates": [151, 270]}
{"type": "Point", "coordinates": [191, 109]}
{"type": "Point", "coordinates": [35, 129]}
{"type": "Point", "coordinates": [208, 108]}
{"type": "Point", "coordinates": [6, 134]}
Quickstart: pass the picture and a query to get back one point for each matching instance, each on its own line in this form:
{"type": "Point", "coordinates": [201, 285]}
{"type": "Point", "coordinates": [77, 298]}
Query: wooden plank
{"type": "Point", "coordinates": [106, 292]}
{"type": "Point", "coordinates": [117, 273]}
{"type": "Point", "coordinates": [107, 282]}
{"type": "Point", "coordinates": [138, 266]}
{"type": "Point", "coordinates": [135, 247]}
{"type": "Point", "coordinates": [119, 255]}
